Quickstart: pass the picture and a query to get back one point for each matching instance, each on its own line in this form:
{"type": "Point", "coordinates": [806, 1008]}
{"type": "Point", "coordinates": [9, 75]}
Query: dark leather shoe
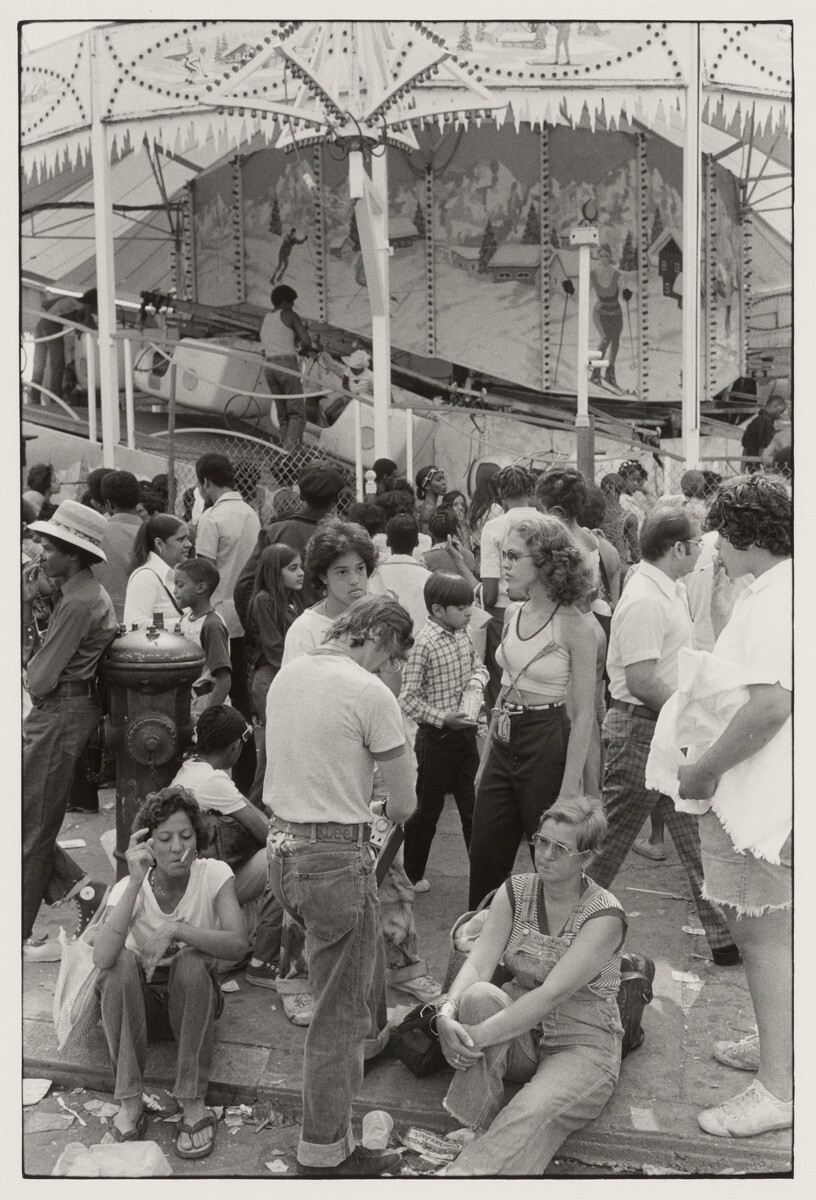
{"type": "Point", "coordinates": [360, 1164]}
{"type": "Point", "coordinates": [726, 956]}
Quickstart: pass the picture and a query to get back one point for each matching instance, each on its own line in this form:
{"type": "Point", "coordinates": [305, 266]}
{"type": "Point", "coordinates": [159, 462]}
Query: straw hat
{"type": "Point", "coordinates": [76, 524]}
{"type": "Point", "coordinates": [356, 360]}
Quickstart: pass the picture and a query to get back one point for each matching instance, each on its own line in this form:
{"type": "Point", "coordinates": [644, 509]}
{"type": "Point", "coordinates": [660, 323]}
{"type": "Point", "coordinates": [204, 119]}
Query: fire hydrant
{"type": "Point", "coordinates": [148, 674]}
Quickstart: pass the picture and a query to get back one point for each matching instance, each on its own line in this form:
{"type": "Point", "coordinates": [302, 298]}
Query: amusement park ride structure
{"type": "Point", "coordinates": [361, 88]}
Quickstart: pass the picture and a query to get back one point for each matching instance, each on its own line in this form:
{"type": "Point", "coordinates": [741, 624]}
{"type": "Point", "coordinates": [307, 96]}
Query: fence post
{"type": "Point", "coordinates": [409, 443]}
{"type": "Point", "coordinates": [358, 451]}
{"type": "Point", "coordinates": [171, 442]}
{"type": "Point", "coordinates": [129, 414]}
{"type": "Point", "coordinates": [90, 366]}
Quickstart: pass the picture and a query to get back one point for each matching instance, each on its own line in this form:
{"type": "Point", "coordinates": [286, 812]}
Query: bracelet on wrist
{"type": "Point", "coordinates": [446, 1007]}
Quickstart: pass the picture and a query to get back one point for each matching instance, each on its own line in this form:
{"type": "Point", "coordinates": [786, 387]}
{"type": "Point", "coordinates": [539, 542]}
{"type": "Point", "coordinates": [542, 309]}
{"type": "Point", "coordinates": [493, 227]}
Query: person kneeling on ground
{"type": "Point", "coordinates": [555, 1027]}
{"type": "Point", "coordinates": [163, 929]}
{"type": "Point", "coordinates": [240, 828]}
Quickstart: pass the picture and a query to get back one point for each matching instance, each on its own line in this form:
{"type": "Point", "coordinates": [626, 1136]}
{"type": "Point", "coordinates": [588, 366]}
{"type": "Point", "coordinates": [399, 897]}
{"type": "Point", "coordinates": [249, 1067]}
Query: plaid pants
{"type": "Point", "coordinates": [628, 802]}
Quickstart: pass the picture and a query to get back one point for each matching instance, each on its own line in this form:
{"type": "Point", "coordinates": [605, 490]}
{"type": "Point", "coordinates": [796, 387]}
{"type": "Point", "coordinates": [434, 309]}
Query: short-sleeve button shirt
{"type": "Point", "coordinates": [227, 533]}
{"type": "Point", "coordinates": [651, 623]}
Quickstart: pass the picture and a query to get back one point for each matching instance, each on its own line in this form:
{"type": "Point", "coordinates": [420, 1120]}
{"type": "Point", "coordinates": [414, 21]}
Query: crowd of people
{"type": "Point", "coordinates": [545, 652]}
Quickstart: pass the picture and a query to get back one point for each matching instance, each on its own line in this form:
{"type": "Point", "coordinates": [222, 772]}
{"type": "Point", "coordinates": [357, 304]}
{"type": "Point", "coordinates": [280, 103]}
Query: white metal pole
{"type": "Point", "coordinates": [105, 278]}
{"type": "Point", "coordinates": [129, 410]}
{"type": "Point", "coordinates": [409, 443]}
{"type": "Point", "coordinates": [381, 321]}
{"type": "Point", "coordinates": [90, 370]}
{"type": "Point", "coordinates": [582, 388]}
{"type": "Point", "coordinates": [692, 250]}
{"type": "Point", "coordinates": [358, 450]}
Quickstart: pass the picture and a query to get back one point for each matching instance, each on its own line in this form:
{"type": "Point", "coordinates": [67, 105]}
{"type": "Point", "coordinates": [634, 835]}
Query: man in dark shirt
{"type": "Point", "coordinates": [61, 681]}
{"type": "Point", "coordinates": [320, 487]}
{"type": "Point", "coordinates": [759, 432]}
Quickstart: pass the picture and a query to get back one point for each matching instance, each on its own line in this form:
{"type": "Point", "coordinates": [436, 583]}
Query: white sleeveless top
{"type": "Point", "coordinates": [277, 339]}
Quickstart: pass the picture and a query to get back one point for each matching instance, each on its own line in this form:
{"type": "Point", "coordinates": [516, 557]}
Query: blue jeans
{"type": "Point", "coordinates": [565, 1086]}
{"type": "Point", "coordinates": [330, 890]}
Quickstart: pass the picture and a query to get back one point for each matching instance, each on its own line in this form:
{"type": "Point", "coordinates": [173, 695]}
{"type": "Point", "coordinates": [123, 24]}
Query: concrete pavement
{"type": "Point", "coordinates": [649, 1126]}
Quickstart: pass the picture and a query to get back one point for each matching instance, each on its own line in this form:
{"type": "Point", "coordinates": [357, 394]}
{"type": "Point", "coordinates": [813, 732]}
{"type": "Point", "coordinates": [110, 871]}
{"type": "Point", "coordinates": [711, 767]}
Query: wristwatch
{"type": "Point", "coordinates": [448, 1008]}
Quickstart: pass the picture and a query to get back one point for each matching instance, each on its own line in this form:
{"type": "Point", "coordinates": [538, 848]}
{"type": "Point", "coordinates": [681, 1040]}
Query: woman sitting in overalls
{"type": "Point", "coordinates": [555, 1027]}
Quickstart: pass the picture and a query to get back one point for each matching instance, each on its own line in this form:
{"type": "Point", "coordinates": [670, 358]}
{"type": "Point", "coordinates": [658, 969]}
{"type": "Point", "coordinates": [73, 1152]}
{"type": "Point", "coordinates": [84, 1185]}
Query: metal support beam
{"type": "Point", "coordinates": [692, 248]}
{"type": "Point", "coordinates": [370, 195]}
{"type": "Point", "coordinates": [105, 277]}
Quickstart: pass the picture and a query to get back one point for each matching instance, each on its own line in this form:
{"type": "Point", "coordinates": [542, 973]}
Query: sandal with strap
{"type": "Point", "coordinates": [208, 1122]}
{"type": "Point", "coordinates": [130, 1135]}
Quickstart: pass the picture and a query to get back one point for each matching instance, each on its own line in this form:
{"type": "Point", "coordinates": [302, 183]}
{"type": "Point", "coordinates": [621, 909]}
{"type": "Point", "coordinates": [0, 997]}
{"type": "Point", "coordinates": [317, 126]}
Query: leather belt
{"type": "Point", "coordinates": [513, 709]}
{"type": "Point", "coordinates": [325, 831]}
{"type": "Point", "coordinates": [79, 687]}
{"type": "Point", "coordinates": [636, 710]}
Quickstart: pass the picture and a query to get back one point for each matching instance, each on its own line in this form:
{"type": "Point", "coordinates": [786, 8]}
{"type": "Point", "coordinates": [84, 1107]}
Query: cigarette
{"type": "Point", "coordinates": [184, 855]}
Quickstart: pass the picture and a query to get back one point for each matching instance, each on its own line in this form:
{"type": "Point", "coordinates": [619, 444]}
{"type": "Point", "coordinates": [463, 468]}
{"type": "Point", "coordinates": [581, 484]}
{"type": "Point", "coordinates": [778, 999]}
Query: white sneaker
{"type": "Point", "coordinates": [744, 1054]}
{"type": "Point", "coordinates": [422, 987]}
{"type": "Point", "coordinates": [422, 885]}
{"type": "Point", "coordinates": [299, 1007]}
{"type": "Point", "coordinates": [751, 1112]}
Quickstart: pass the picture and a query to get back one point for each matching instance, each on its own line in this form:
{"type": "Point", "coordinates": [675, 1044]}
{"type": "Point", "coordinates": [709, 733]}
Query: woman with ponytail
{"type": "Point", "coordinates": [161, 543]}
{"type": "Point", "coordinates": [535, 755]}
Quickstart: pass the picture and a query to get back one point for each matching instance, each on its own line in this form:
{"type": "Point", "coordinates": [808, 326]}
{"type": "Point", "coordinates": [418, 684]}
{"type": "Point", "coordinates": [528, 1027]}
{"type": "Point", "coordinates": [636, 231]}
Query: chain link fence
{"type": "Point", "coordinates": [261, 468]}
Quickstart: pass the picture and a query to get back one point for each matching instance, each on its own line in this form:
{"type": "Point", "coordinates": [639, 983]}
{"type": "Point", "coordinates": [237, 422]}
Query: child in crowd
{"type": "Point", "coordinates": [276, 602]}
{"type": "Point", "coordinates": [441, 664]}
{"type": "Point", "coordinates": [196, 580]}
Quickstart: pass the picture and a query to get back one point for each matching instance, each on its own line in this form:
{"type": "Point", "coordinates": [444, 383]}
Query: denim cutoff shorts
{"type": "Point", "coordinates": [748, 884]}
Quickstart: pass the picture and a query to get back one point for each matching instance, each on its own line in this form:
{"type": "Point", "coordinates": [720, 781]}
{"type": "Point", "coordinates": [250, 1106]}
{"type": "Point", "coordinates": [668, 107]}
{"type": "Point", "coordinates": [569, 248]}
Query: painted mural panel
{"type": "Point", "coordinates": [348, 302]}
{"type": "Point", "coordinates": [406, 236]}
{"type": "Point", "coordinates": [598, 167]}
{"type": "Point", "coordinates": [727, 280]}
{"type": "Point", "coordinates": [487, 251]}
{"type": "Point", "coordinates": [212, 231]}
{"type": "Point", "coordinates": [665, 292]}
{"type": "Point", "coordinates": [280, 230]}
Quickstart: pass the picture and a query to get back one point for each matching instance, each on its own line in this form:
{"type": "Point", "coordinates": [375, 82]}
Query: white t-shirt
{"type": "Point", "coordinates": [494, 533]}
{"type": "Point", "coordinates": [227, 533]}
{"type": "Point", "coordinates": [405, 577]}
{"type": "Point", "coordinates": [196, 907]}
{"type": "Point", "coordinates": [213, 789]}
{"type": "Point", "coordinates": [327, 719]}
{"type": "Point", "coordinates": [306, 633]}
{"type": "Point", "coordinates": [651, 623]}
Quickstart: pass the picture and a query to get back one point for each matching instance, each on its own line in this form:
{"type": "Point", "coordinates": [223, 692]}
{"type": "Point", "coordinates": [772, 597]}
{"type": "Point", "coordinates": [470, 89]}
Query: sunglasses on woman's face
{"type": "Point", "coordinates": [557, 850]}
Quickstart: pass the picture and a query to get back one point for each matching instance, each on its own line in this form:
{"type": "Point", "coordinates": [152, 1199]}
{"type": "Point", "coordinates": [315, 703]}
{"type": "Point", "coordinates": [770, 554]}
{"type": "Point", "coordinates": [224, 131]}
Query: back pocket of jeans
{"type": "Point", "coordinates": [330, 902]}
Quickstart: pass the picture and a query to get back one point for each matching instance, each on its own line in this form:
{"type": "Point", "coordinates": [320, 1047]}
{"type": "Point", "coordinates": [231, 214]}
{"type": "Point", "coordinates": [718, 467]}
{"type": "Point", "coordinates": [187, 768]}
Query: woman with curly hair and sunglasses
{"type": "Point", "coordinates": [165, 926]}
{"type": "Point", "coordinates": [548, 656]}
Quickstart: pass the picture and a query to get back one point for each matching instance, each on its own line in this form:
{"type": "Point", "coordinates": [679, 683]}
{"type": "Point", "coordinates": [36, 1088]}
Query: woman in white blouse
{"type": "Point", "coordinates": [161, 543]}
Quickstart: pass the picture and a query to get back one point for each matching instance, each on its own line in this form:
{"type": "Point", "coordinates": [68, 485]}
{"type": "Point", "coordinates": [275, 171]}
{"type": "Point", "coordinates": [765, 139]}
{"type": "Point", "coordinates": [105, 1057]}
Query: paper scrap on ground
{"type": "Point", "coordinates": [632, 914]}
{"type": "Point", "coordinates": [230, 986]}
{"type": "Point", "coordinates": [101, 1108]}
{"type": "Point", "coordinates": [429, 1145]}
{"type": "Point", "coordinates": [62, 1104]}
{"type": "Point", "coordinates": [694, 930]}
{"type": "Point", "coordinates": [72, 844]}
{"type": "Point", "coordinates": [689, 978]}
{"type": "Point", "coordinates": [34, 1090]}
{"type": "Point", "coordinates": [277, 1166]}
{"type": "Point", "coordinates": [644, 1119]}
{"type": "Point", "coordinates": [45, 1122]}
{"type": "Point", "coordinates": [668, 895]}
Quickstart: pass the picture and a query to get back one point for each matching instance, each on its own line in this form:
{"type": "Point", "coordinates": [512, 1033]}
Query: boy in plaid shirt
{"type": "Point", "coordinates": [440, 665]}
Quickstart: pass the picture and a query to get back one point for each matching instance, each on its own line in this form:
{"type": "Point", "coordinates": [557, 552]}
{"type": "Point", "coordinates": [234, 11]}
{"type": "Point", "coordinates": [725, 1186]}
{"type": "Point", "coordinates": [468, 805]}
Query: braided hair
{"type": "Point", "coordinates": [513, 482]}
{"type": "Point", "coordinates": [218, 728]}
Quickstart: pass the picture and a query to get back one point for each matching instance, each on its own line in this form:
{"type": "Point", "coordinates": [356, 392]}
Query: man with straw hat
{"type": "Point", "coordinates": [61, 682]}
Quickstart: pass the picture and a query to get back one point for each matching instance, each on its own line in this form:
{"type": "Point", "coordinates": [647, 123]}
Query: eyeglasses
{"type": "Point", "coordinates": [557, 849]}
{"type": "Point", "coordinates": [512, 557]}
{"type": "Point", "coordinates": [247, 734]}
{"type": "Point", "coordinates": [693, 541]}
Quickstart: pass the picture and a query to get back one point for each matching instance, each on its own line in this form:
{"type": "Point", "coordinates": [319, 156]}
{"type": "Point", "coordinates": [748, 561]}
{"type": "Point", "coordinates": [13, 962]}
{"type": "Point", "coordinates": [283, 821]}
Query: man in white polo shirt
{"type": "Point", "coordinates": [650, 626]}
{"type": "Point", "coordinates": [226, 534]}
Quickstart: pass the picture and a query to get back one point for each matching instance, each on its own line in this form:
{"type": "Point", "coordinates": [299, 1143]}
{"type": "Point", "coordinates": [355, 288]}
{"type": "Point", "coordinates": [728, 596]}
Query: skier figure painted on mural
{"type": "Point", "coordinates": [562, 32]}
{"type": "Point", "coordinates": [607, 314]}
{"type": "Point", "coordinates": [290, 240]}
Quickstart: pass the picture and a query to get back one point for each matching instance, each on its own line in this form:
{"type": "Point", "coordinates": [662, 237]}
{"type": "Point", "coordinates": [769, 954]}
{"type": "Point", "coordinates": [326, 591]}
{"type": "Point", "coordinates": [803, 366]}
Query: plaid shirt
{"type": "Point", "coordinates": [438, 667]}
